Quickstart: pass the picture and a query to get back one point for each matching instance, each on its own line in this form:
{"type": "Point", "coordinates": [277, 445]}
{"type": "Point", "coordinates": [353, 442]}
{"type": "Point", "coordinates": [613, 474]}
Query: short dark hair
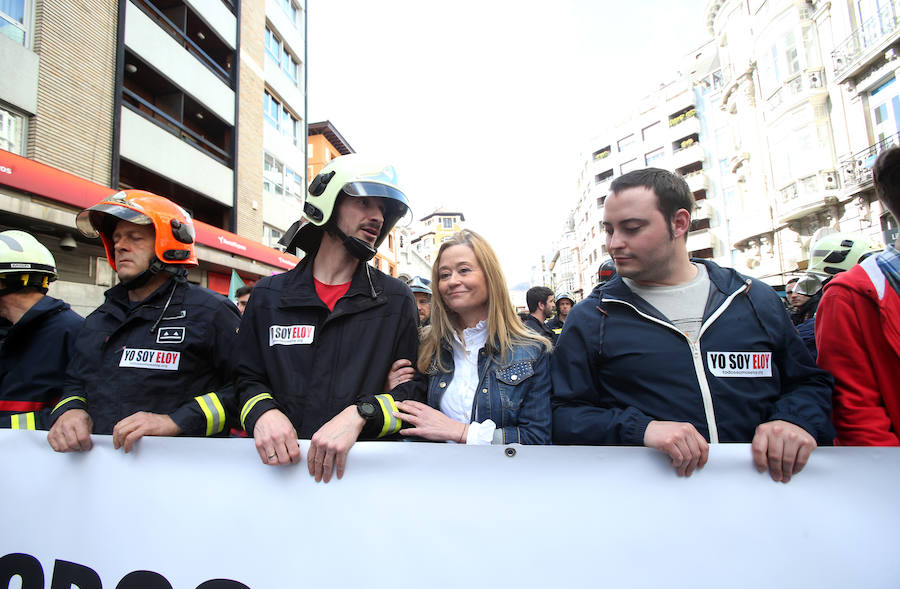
{"type": "Point", "coordinates": [886, 174]}
{"type": "Point", "coordinates": [535, 295]}
{"type": "Point", "coordinates": [244, 290]}
{"type": "Point", "coordinates": [672, 192]}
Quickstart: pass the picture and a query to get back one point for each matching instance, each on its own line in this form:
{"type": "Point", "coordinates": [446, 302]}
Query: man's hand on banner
{"type": "Point", "coordinates": [276, 439]}
{"type": "Point", "coordinates": [71, 432]}
{"type": "Point", "coordinates": [140, 424]}
{"type": "Point", "coordinates": [330, 445]}
{"type": "Point", "coordinates": [783, 448]}
{"type": "Point", "coordinates": [687, 449]}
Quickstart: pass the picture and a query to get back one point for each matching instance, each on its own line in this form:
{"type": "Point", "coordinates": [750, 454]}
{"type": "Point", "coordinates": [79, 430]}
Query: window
{"type": "Point", "coordinates": [280, 56]}
{"type": "Point", "coordinates": [655, 157]}
{"type": "Point", "coordinates": [270, 110]}
{"type": "Point", "coordinates": [293, 183]}
{"type": "Point", "coordinates": [273, 46]}
{"type": "Point", "coordinates": [12, 132]}
{"type": "Point", "coordinates": [448, 222]}
{"type": "Point", "coordinates": [625, 143]}
{"type": "Point", "coordinates": [13, 18]}
{"type": "Point", "coordinates": [291, 10]}
{"type": "Point", "coordinates": [273, 175]}
{"type": "Point", "coordinates": [652, 132]}
{"type": "Point", "coordinates": [272, 236]}
{"type": "Point", "coordinates": [630, 165]}
{"type": "Point", "coordinates": [278, 116]}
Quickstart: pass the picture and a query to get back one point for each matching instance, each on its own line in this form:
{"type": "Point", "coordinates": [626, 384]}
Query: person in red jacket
{"type": "Point", "coordinates": [858, 333]}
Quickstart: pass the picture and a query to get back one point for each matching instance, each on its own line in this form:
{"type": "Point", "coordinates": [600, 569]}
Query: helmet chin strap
{"type": "Point", "coordinates": [156, 266]}
{"type": "Point", "coordinates": [359, 249]}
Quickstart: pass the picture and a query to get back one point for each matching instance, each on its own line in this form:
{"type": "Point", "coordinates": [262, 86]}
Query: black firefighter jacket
{"type": "Point", "coordinates": [169, 354]}
{"type": "Point", "coordinates": [33, 359]}
{"type": "Point", "coordinates": [295, 355]}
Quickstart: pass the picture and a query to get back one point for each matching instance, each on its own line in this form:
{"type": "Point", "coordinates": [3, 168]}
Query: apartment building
{"type": "Point", "coordinates": [811, 90]}
{"type": "Point", "coordinates": [432, 230]}
{"type": "Point", "coordinates": [862, 40]}
{"type": "Point", "coordinates": [665, 130]}
{"type": "Point", "coordinates": [162, 95]}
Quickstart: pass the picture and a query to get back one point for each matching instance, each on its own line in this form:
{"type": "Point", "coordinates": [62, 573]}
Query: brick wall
{"type": "Point", "coordinates": [76, 43]}
{"type": "Point", "coordinates": [250, 120]}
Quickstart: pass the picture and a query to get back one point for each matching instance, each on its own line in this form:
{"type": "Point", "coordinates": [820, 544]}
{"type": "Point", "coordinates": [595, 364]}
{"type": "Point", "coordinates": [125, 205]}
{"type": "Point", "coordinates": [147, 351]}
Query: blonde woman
{"type": "Point", "coordinates": [488, 375]}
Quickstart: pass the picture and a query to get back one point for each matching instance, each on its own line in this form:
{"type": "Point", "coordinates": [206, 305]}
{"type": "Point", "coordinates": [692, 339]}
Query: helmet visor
{"type": "Point", "coordinates": [808, 286]}
{"type": "Point", "coordinates": [89, 220]}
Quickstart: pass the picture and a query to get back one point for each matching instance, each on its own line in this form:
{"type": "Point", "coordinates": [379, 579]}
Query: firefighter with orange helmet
{"type": "Point", "coordinates": [154, 358]}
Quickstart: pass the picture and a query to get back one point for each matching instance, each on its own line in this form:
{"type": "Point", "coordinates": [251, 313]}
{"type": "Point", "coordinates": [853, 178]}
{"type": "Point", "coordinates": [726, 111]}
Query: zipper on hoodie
{"type": "Point", "coordinates": [696, 354]}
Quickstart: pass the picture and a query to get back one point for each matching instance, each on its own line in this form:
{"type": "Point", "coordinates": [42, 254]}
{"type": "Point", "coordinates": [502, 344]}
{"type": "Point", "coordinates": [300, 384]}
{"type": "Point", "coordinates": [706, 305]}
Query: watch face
{"type": "Point", "coordinates": [366, 409]}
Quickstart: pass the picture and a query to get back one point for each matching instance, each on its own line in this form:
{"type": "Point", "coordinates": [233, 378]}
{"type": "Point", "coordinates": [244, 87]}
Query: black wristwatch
{"type": "Point", "coordinates": [366, 408]}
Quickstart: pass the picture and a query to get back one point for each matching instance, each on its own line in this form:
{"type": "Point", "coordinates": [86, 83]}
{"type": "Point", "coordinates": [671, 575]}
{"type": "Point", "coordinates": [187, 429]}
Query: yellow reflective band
{"type": "Point", "coordinates": [220, 410]}
{"type": "Point", "coordinates": [22, 421]}
{"type": "Point", "coordinates": [68, 399]}
{"type": "Point", "coordinates": [215, 414]}
{"type": "Point", "coordinates": [249, 405]}
{"type": "Point", "coordinates": [391, 423]}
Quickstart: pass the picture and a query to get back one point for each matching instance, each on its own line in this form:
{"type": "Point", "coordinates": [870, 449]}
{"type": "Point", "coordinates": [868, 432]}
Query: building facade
{"type": "Point", "coordinates": [168, 97]}
{"type": "Point", "coordinates": [666, 130]}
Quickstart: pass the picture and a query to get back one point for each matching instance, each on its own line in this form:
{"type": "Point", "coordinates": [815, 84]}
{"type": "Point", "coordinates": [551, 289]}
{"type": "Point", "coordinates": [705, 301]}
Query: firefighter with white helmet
{"type": "Point", "coordinates": [317, 342]}
{"type": "Point", "coordinates": [838, 252]}
{"type": "Point", "coordinates": [154, 358]}
{"type": "Point", "coordinates": [40, 333]}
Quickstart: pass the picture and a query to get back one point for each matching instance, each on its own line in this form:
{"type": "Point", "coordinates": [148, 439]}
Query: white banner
{"type": "Point", "coordinates": [419, 515]}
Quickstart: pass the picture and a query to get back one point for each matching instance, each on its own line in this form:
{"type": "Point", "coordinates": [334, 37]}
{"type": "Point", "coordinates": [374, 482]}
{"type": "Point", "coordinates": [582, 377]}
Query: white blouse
{"type": "Point", "coordinates": [460, 394]}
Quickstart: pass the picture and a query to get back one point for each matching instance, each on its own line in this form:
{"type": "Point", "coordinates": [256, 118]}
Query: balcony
{"type": "Point", "coordinates": [808, 85]}
{"type": "Point", "coordinates": [856, 171]}
{"type": "Point", "coordinates": [687, 155]}
{"type": "Point", "coordinates": [866, 42]}
{"type": "Point", "coordinates": [699, 240]}
{"type": "Point", "coordinates": [146, 39]}
{"type": "Point", "coordinates": [804, 197]}
{"type": "Point", "coordinates": [684, 125]}
{"type": "Point", "coordinates": [155, 147]}
{"type": "Point", "coordinates": [697, 181]}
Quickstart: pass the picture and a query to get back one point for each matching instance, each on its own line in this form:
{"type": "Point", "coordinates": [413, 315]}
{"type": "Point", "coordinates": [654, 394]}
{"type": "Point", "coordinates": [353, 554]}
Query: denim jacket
{"type": "Point", "coordinates": [514, 394]}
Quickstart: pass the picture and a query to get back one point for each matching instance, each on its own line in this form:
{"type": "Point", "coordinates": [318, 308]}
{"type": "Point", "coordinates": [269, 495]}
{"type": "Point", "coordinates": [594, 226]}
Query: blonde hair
{"type": "Point", "coordinates": [505, 329]}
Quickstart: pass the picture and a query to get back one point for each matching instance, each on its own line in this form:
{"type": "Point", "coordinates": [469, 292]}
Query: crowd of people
{"type": "Point", "coordinates": [667, 352]}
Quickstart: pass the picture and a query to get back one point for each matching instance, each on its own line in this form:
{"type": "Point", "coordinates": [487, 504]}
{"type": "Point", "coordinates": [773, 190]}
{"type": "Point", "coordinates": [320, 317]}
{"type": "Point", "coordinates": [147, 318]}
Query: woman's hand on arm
{"type": "Point", "coordinates": [429, 423]}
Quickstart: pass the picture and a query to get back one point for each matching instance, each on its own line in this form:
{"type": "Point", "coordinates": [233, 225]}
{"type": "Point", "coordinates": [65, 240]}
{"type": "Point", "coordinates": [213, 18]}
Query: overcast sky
{"type": "Point", "coordinates": [484, 107]}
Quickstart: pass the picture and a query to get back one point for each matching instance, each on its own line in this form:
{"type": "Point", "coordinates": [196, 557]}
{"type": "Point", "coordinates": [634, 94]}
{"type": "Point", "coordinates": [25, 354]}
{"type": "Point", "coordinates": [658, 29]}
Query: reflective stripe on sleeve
{"type": "Point", "coordinates": [69, 399]}
{"type": "Point", "coordinates": [391, 423]}
{"type": "Point", "coordinates": [214, 412]}
{"type": "Point", "coordinates": [22, 421]}
{"type": "Point", "coordinates": [249, 405]}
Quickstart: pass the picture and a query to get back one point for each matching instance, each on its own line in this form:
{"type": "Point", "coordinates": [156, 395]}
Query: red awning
{"type": "Point", "coordinates": [43, 180]}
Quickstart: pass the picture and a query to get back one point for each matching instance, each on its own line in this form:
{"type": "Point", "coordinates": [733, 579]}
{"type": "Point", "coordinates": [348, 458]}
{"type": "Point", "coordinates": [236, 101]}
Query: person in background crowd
{"type": "Point", "coordinates": [788, 289]}
{"type": "Point", "coordinates": [422, 292]}
{"type": "Point", "coordinates": [477, 344]}
{"type": "Point", "coordinates": [564, 302]}
{"type": "Point", "coordinates": [242, 295]}
{"type": "Point", "coordinates": [677, 353]}
{"type": "Point", "coordinates": [317, 342]}
{"type": "Point", "coordinates": [805, 296]}
{"type": "Point", "coordinates": [540, 304]}
{"type": "Point", "coordinates": [40, 333]}
{"type": "Point", "coordinates": [402, 370]}
{"type": "Point", "coordinates": [154, 358]}
{"type": "Point", "coordinates": [858, 332]}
